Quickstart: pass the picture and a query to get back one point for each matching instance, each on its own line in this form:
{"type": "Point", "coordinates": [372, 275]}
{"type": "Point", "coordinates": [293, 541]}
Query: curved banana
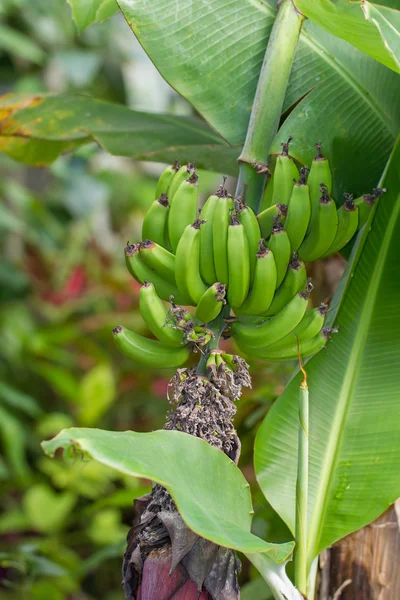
{"type": "Point", "coordinates": [251, 226]}
{"type": "Point", "coordinates": [183, 210]}
{"type": "Point", "coordinates": [207, 268]}
{"type": "Point", "coordinates": [347, 225]}
{"type": "Point", "coordinates": [221, 219]}
{"type": "Point", "coordinates": [211, 303]}
{"type": "Point", "coordinates": [238, 263]}
{"type": "Point", "coordinates": [155, 222]}
{"type": "Point", "coordinates": [157, 318]}
{"type": "Point", "coordinates": [365, 204]}
{"type": "Point", "coordinates": [280, 247]}
{"type": "Point", "coordinates": [264, 284]}
{"type": "Point", "coordinates": [180, 176]}
{"type": "Point", "coordinates": [141, 272]}
{"type": "Point", "coordinates": [269, 216]}
{"type": "Point", "coordinates": [323, 229]}
{"type": "Point", "coordinates": [307, 348]}
{"type": "Point", "coordinates": [187, 263]}
{"type": "Point", "coordinates": [158, 259]}
{"type": "Point", "coordinates": [273, 329]}
{"type": "Point", "coordinates": [284, 174]}
{"type": "Point", "coordinates": [320, 173]}
{"type": "Point", "coordinates": [294, 280]}
{"type": "Point", "coordinates": [150, 353]}
{"type": "Point", "coordinates": [298, 212]}
{"type": "Point", "coordinates": [165, 179]}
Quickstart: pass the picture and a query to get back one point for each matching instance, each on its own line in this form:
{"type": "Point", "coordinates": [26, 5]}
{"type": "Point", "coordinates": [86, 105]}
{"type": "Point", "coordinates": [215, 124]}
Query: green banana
{"type": "Point", "coordinates": [238, 263]}
{"type": "Point", "coordinates": [269, 216]}
{"type": "Point", "coordinates": [323, 229]}
{"type": "Point", "coordinates": [183, 210]}
{"type": "Point", "coordinates": [165, 179]}
{"type": "Point", "coordinates": [150, 353]}
{"type": "Point", "coordinates": [157, 318]}
{"type": "Point", "coordinates": [211, 362]}
{"type": "Point", "coordinates": [159, 260]}
{"type": "Point", "coordinates": [285, 172]}
{"type": "Point", "coordinates": [207, 268]}
{"type": "Point", "coordinates": [141, 272]}
{"type": "Point", "coordinates": [221, 219]}
{"type": "Point", "coordinates": [279, 244]}
{"type": "Point", "coordinates": [187, 263]}
{"type": "Point", "coordinates": [294, 280]}
{"type": "Point", "coordinates": [252, 229]}
{"type": "Point", "coordinates": [269, 331]}
{"type": "Point", "coordinates": [347, 225]}
{"type": "Point", "coordinates": [155, 222]}
{"type": "Point", "coordinates": [299, 211]}
{"type": "Point", "coordinates": [264, 284]}
{"type": "Point", "coordinates": [365, 204]}
{"type": "Point", "coordinates": [307, 348]}
{"type": "Point", "coordinates": [320, 172]}
{"type": "Point", "coordinates": [180, 176]}
{"type": "Point", "coordinates": [211, 303]}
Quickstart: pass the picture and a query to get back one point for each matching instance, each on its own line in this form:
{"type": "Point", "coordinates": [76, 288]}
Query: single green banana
{"type": "Point", "coordinates": [285, 172]}
{"type": "Point", "coordinates": [211, 362]}
{"type": "Point", "coordinates": [141, 272]}
{"type": "Point", "coordinates": [155, 222]}
{"type": "Point", "coordinates": [150, 353]}
{"type": "Point", "coordinates": [309, 326]}
{"type": "Point", "coordinates": [183, 210]}
{"type": "Point", "coordinates": [252, 229]}
{"type": "Point", "coordinates": [273, 329]}
{"type": "Point", "coordinates": [207, 268]}
{"type": "Point", "coordinates": [280, 246]}
{"type": "Point", "coordinates": [157, 317]}
{"type": "Point", "coordinates": [221, 220]}
{"type": "Point", "coordinates": [230, 361]}
{"type": "Point", "coordinates": [264, 284]}
{"type": "Point", "coordinates": [238, 263]}
{"type": "Point", "coordinates": [320, 172]}
{"type": "Point", "coordinates": [165, 179]}
{"type": "Point", "coordinates": [269, 216]}
{"type": "Point", "coordinates": [307, 348]}
{"type": "Point", "coordinates": [347, 225]}
{"type": "Point", "coordinates": [159, 260]}
{"type": "Point", "coordinates": [365, 204]}
{"type": "Point", "coordinates": [298, 212]}
{"type": "Point", "coordinates": [211, 303]}
{"type": "Point", "coordinates": [323, 229]}
{"type": "Point", "coordinates": [187, 263]}
{"type": "Point", "coordinates": [294, 281]}
{"type": "Point", "coordinates": [180, 176]}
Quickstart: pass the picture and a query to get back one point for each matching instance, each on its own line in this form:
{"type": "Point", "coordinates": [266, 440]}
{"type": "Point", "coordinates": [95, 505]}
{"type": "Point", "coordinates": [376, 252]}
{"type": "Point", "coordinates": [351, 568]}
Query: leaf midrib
{"type": "Point", "coordinates": [349, 382]}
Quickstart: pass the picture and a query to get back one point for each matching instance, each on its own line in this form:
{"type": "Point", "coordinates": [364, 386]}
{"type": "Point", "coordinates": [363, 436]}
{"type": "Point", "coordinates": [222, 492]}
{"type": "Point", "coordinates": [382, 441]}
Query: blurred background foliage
{"type": "Point", "coordinates": [63, 286]}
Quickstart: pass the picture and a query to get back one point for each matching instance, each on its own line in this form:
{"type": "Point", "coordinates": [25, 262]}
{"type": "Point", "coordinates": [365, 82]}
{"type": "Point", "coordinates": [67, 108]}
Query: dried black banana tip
{"type": "Point", "coordinates": [190, 167]}
{"type": "Point", "coordinates": [193, 179]}
{"type": "Point", "coordinates": [277, 226]}
{"type": "Point", "coordinates": [324, 194]}
{"type": "Point", "coordinates": [295, 262]}
{"type": "Point", "coordinates": [303, 175]}
{"type": "Point", "coordinates": [198, 223]}
{"type": "Point", "coordinates": [146, 244]}
{"type": "Point", "coordinates": [327, 331]}
{"type": "Point", "coordinates": [319, 155]}
{"type": "Point", "coordinates": [176, 166]}
{"type": "Point", "coordinates": [348, 203]}
{"type": "Point", "coordinates": [285, 147]}
{"type": "Point", "coordinates": [379, 192]}
{"type": "Point", "coordinates": [163, 200]}
{"type": "Point", "coordinates": [323, 308]}
{"type": "Point", "coordinates": [146, 283]}
{"type": "Point", "coordinates": [117, 330]}
{"type": "Point", "coordinates": [262, 250]}
{"type": "Point", "coordinates": [261, 169]}
{"type": "Point", "coordinates": [130, 249]}
{"type": "Point", "coordinates": [235, 219]}
{"type": "Point", "coordinates": [308, 289]}
{"type": "Point", "coordinates": [282, 209]}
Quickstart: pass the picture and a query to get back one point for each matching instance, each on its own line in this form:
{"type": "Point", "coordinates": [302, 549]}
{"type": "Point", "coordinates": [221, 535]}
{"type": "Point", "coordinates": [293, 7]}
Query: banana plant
{"type": "Point", "coordinates": [269, 82]}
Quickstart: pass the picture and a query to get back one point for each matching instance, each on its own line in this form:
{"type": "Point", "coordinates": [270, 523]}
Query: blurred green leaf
{"type": "Point", "coordinates": [106, 528]}
{"type": "Point", "coordinates": [46, 509]}
{"type": "Point", "coordinates": [14, 398]}
{"type": "Point", "coordinates": [86, 12]}
{"type": "Point", "coordinates": [256, 589]}
{"type": "Point", "coordinates": [372, 29]}
{"type": "Point", "coordinates": [13, 440]}
{"type": "Point", "coordinates": [200, 479]}
{"type": "Point", "coordinates": [62, 122]}
{"type": "Point", "coordinates": [16, 42]}
{"type": "Point", "coordinates": [354, 396]}
{"type": "Point", "coordinates": [97, 393]}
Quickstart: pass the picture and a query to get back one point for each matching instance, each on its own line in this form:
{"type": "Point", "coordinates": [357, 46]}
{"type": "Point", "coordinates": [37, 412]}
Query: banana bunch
{"type": "Point", "coordinates": [226, 258]}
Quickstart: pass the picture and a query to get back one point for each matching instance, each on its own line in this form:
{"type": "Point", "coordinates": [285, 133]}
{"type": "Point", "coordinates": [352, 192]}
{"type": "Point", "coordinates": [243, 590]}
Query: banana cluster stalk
{"type": "Point", "coordinates": [229, 256]}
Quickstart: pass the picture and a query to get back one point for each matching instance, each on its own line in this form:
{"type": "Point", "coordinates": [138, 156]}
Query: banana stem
{"type": "Point", "coordinates": [300, 566]}
{"type": "Point", "coordinates": [268, 101]}
{"type": "Point", "coordinates": [217, 326]}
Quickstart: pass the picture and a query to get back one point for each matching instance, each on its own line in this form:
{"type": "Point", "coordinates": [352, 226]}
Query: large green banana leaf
{"type": "Point", "coordinates": [354, 396]}
{"type": "Point", "coordinates": [210, 491]}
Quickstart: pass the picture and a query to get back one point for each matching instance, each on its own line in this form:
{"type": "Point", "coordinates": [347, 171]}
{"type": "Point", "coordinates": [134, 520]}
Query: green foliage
{"type": "Point", "coordinates": [354, 425]}
{"type": "Point", "coordinates": [91, 11]}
